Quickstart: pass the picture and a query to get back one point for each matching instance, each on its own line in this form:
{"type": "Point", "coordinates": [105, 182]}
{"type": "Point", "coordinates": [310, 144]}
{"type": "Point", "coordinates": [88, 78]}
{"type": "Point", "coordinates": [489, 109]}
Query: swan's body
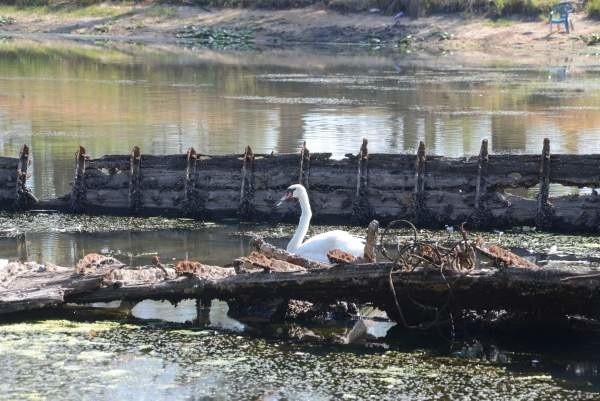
{"type": "Point", "coordinates": [317, 247]}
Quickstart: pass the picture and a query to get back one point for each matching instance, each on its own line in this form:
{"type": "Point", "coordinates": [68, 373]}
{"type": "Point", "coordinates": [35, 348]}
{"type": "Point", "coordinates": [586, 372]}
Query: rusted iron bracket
{"type": "Point", "coordinates": [245, 209]}
{"type": "Point", "coordinates": [135, 166]}
{"type": "Point", "coordinates": [419, 191]}
{"type": "Point", "coordinates": [304, 166]}
{"type": "Point", "coordinates": [545, 210]}
{"type": "Point", "coordinates": [23, 197]}
{"type": "Point", "coordinates": [191, 198]}
{"type": "Point", "coordinates": [78, 190]}
{"type": "Point", "coordinates": [361, 210]}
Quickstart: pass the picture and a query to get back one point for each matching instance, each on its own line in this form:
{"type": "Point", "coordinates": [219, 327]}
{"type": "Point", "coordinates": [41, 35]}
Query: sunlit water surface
{"type": "Point", "coordinates": [109, 97]}
{"type": "Point", "coordinates": [58, 360]}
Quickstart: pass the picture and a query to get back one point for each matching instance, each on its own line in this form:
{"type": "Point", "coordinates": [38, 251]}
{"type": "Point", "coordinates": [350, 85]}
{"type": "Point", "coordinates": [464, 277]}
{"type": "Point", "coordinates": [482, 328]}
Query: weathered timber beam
{"type": "Point", "coordinates": [419, 190]}
{"type": "Point", "coordinates": [304, 173]}
{"type": "Point", "coordinates": [245, 208]}
{"type": "Point", "coordinates": [361, 210]}
{"type": "Point", "coordinates": [553, 291]}
{"type": "Point", "coordinates": [482, 172]}
{"type": "Point", "coordinates": [544, 208]}
{"type": "Point", "coordinates": [35, 290]}
{"type": "Point", "coordinates": [270, 251]}
{"type": "Point", "coordinates": [78, 190]}
{"type": "Point", "coordinates": [135, 194]}
{"type": "Point", "coordinates": [23, 197]}
{"type": "Point", "coordinates": [369, 254]}
{"type": "Point", "coordinates": [191, 201]}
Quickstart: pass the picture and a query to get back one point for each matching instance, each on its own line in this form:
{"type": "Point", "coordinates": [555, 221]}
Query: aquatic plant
{"type": "Point", "coordinates": [592, 39]}
{"type": "Point", "coordinates": [216, 37]}
{"type": "Point", "coordinates": [5, 20]}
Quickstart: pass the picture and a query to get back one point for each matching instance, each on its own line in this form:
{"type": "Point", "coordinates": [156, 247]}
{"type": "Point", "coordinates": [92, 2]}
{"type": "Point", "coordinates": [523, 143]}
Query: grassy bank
{"type": "Point", "coordinates": [493, 8]}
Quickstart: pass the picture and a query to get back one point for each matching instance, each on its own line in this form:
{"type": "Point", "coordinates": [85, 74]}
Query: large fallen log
{"type": "Point", "coordinates": [427, 274]}
{"type": "Point", "coordinates": [548, 292]}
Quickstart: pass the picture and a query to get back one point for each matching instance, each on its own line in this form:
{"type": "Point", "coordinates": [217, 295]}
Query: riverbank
{"type": "Point", "coordinates": [313, 26]}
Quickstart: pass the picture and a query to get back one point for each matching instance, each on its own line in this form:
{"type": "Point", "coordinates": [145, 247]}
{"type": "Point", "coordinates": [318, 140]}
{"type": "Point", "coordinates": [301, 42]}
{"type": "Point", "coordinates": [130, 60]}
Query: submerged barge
{"type": "Point", "coordinates": [429, 190]}
{"type": "Point", "coordinates": [419, 288]}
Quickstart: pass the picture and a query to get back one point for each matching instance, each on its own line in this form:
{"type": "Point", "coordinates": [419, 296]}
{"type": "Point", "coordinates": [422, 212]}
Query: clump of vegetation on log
{"type": "Point", "coordinates": [592, 39]}
{"type": "Point", "coordinates": [217, 37]}
{"type": "Point", "coordinates": [4, 20]}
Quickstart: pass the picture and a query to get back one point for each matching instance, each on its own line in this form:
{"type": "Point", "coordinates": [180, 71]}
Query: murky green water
{"type": "Point", "coordinates": [111, 96]}
{"type": "Point", "coordinates": [58, 360]}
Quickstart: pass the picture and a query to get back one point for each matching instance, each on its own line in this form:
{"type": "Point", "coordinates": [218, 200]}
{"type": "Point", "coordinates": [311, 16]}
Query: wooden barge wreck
{"type": "Point", "coordinates": [429, 190]}
{"type": "Point", "coordinates": [418, 287]}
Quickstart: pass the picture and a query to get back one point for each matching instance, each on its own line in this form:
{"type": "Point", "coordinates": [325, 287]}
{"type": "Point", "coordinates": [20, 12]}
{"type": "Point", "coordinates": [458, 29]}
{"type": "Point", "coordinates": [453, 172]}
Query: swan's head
{"type": "Point", "coordinates": [293, 191]}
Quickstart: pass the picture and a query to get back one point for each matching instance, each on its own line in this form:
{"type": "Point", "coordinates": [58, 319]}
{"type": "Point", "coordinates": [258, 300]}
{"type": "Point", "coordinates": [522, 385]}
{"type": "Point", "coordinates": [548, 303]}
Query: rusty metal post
{"type": "Point", "coordinates": [245, 209]}
{"type": "Point", "coordinates": [78, 190]}
{"type": "Point", "coordinates": [361, 210]}
{"type": "Point", "coordinates": [135, 194]}
{"type": "Point", "coordinates": [544, 207]}
{"type": "Point", "coordinates": [304, 166]}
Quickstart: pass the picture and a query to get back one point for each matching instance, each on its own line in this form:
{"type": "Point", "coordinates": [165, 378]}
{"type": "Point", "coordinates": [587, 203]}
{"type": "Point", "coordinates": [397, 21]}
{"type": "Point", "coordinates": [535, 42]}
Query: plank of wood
{"type": "Point", "coordinates": [33, 286]}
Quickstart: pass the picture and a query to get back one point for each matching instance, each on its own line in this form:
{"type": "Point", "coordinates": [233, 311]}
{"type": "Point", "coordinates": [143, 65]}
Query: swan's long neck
{"type": "Point", "coordinates": [302, 229]}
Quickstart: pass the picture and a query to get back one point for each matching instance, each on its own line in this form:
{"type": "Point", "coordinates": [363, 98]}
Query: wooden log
{"type": "Point", "coordinates": [551, 292]}
{"type": "Point", "coordinates": [361, 210]}
{"type": "Point", "coordinates": [135, 195]}
{"type": "Point", "coordinates": [482, 172]}
{"type": "Point", "coordinates": [544, 208]}
{"type": "Point", "coordinates": [24, 199]}
{"type": "Point", "coordinates": [31, 286]}
{"type": "Point", "coordinates": [272, 252]}
{"type": "Point", "coordinates": [258, 262]}
{"type": "Point", "coordinates": [245, 208]}
{"type": "Point", "coordinates": [78, 191]}
{"type": "Point", "coordinates": [370, 255]}
{"type": "Point", "coordinates": [304, 173]}
{"type": "Point", "coordinates": [419, 190]}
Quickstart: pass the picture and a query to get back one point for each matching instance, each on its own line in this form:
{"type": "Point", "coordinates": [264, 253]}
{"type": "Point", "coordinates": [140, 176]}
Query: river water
{"type": "Point", "coordinates": [108, 97]}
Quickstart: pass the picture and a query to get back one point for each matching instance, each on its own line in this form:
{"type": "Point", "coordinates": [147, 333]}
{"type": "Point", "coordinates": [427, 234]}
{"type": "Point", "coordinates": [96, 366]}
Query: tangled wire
{"type": "Point", "coordinates": [460, 257]}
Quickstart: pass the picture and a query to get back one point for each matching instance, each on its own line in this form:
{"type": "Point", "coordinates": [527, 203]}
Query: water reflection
{"type": "Point", "coordinates": [215, 246]}
{"type": "Point", "coordinates": [55, 96]}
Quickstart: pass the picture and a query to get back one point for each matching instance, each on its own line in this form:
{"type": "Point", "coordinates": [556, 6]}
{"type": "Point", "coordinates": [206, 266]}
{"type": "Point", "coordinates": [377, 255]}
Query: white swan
{"type": "Point", "coordinates": [316, 248]}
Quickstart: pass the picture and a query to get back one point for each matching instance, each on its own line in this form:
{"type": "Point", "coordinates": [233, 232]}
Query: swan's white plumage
{"type": "Point", "coordinates": [317, 247]}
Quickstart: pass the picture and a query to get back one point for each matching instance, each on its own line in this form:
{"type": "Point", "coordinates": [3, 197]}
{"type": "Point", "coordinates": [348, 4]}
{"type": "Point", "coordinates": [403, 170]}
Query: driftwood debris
{"type": "Point", "coordinates": [428, 189]}
{"type": "Point", "coordinates": [550, 292]}
{"type": "Point", "coordinates": [27, 286]}
{"type": "Point", "coordinates": [450, 278]}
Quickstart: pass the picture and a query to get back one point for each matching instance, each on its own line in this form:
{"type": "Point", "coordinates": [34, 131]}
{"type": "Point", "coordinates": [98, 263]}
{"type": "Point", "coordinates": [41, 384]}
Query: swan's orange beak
{"type": "Point", "coordinates": [286, 196]}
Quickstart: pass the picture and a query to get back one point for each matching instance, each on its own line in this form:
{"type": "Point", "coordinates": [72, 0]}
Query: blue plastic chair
{"type": "Point", "coordinates": [560, 16]}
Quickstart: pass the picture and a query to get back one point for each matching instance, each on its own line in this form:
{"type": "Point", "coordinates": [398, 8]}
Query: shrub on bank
{"type": "Point", "coordinates": [593, 8]}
